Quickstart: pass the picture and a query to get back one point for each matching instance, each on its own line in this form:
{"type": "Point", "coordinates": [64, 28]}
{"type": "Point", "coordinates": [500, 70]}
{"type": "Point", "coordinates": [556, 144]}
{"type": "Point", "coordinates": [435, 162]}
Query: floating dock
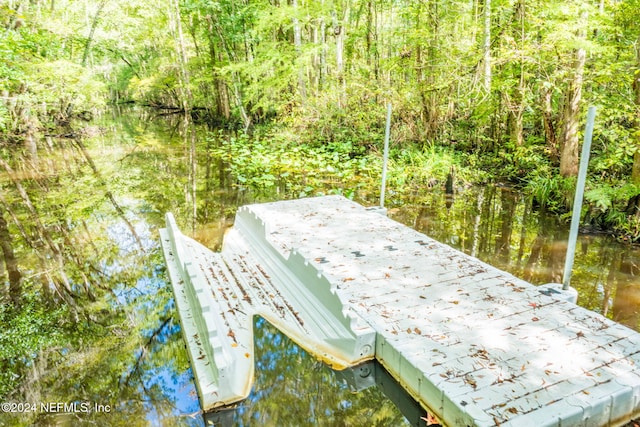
{"type": "Point", "coordinates": [474, 344]}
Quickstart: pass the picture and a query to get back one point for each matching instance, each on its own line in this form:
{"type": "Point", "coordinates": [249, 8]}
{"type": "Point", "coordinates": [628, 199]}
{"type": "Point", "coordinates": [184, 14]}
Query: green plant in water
{"type": "Point", "coordinates": [272, 159]}
{"type": "Point", "coordinates": [551, 190]}
{"type": "Point", "coordinates": [268, 159]}
{"type": "Point", "coordinates": [615, 207]}
{"type": "Point", "coordinates": [415, 169]}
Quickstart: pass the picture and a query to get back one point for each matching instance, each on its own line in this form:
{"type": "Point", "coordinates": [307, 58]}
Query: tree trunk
{"type": "Point", "coordinates": [486, 46]}
{"type": "Point", "coordinates": [30, 144]}
{"type": "Point", "coordinates": [297, 42]}
{"type": "Point", "coordinates": [635, 173]}
{"type": "Point", "coordinates": [185, 79]}
{"type": "Point", "coordinates": [322, 72]}
{"type": "Point", "coordinates": [340, 31]}
{"type": "Point", "coordinates": [94, 25]}
{"type": "Point", "coordinates": [235, 80]}
{"type": "Point", "coordinates": [222, 102]}
{"type": "Point", "coordinates": [517, 106]}
{"type": "Point", "coordinates": [571, 114]}
{"type": "Point", "coordinates": [427, 83]}
{"type": "Point", "coordinates": [369, 28]}
{"type": "Point", "coordinates": [549, 123]}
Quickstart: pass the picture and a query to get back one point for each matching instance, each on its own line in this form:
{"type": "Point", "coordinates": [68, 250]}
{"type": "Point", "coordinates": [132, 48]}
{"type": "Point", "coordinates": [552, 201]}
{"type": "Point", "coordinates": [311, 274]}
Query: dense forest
{"type": "Point", "coordinates": [499, 88]}
{"type": "Point", "coordinates": [496, 86]}
{"type": "Point", "coordinates": [289, 90]}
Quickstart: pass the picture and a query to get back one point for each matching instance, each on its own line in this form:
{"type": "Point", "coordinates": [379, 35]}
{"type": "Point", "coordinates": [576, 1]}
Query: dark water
{"type": "Point", "coordinates": [135, 360]}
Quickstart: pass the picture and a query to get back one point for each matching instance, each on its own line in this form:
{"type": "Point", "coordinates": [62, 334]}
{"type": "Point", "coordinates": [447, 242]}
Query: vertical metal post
{"type": "Point", "coordinates": [385, 157]}
{"type": "Point", "coordinates": [577, 201]}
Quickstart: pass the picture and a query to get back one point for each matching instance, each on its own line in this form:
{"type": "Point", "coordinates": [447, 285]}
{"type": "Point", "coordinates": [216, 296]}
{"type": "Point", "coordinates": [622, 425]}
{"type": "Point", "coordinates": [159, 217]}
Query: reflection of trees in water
{"type": "Point", "coordinates": [86, 315]}
{"type": "Point", "coordinates": [9, 263]}
{"type": "Point", "coordinates": [626, 304]}
{"type": "Point", "coordinates": [96, 321]}
{"type": "Point", "coordinates": [294, 389]}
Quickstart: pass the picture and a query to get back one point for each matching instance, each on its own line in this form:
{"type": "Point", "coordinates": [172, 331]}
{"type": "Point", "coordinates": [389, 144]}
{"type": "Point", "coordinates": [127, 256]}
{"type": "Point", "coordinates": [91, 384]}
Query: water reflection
{"type": "Point", "coordinates": [293, 389]}
{"type": "Point", "coordinates": [115, 338]}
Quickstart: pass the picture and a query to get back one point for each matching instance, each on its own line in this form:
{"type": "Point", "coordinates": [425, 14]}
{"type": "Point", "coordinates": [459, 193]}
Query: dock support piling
{"type": "Point", "coordinates": [385, 157]}
{"type": "Point", "coordinates": [577, 202]}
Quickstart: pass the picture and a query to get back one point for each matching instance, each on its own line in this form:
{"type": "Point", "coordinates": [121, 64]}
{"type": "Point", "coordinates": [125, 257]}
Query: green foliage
{"type": "Point", "coordinates": [266, 161]}
{"type": "Point", "coordinates": [360, 124]}
{"type": "Point", "coordinates": [155, 89]}
{"type": "Point", "coordinates": [10, 67]}
{"type": "Point", "coordinates": [62, 85]}
{"type": "Point", "coordinates": [416, 169]}
{"type": "Point", "coordinates": [612, 206]}
{"type": "Point", "coordinates": [551, 190]}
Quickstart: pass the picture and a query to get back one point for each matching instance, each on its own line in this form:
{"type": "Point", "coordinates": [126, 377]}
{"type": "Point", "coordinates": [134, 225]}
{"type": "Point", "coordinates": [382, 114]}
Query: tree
{"type": "Point", "coordinates": [94, 24]}
{"type": "Point", "coordinates": [486, 47]}
{"type": "Point", "coordinates": [635, 173]}
{"type": "Point", "coordinates": [569, 137]}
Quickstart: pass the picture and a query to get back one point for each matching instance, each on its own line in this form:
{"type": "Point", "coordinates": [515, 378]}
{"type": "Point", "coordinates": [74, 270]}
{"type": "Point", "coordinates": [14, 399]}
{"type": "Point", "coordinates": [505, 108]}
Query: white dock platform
{"type": "Point", "coordinates": [476, 345]}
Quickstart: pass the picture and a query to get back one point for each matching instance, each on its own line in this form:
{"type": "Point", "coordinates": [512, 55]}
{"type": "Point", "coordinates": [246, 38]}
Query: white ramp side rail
{"type": "Point", "coordinates": [217, 295]}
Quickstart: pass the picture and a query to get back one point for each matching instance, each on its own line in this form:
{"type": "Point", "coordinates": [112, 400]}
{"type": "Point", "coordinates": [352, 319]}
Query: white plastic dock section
{"type": "Point", "coordinates": [476, 345]}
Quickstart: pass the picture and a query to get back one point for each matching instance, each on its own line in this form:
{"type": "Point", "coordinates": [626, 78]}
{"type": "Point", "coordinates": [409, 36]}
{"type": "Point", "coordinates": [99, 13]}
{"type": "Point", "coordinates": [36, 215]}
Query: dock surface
{"type": "Point", "coordinates": [474, 344]}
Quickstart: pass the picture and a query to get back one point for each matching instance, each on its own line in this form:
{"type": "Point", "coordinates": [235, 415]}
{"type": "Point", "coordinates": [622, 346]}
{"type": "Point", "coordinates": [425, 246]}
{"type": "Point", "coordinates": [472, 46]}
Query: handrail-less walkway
{"type": "Point", "coordinates": [476, 345]}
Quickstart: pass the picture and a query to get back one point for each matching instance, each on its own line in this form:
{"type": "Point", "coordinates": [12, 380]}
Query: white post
{"type": "Point", "coordinates": [385, 157]}
{"type": "Point", "coordinates": [577, 202]}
